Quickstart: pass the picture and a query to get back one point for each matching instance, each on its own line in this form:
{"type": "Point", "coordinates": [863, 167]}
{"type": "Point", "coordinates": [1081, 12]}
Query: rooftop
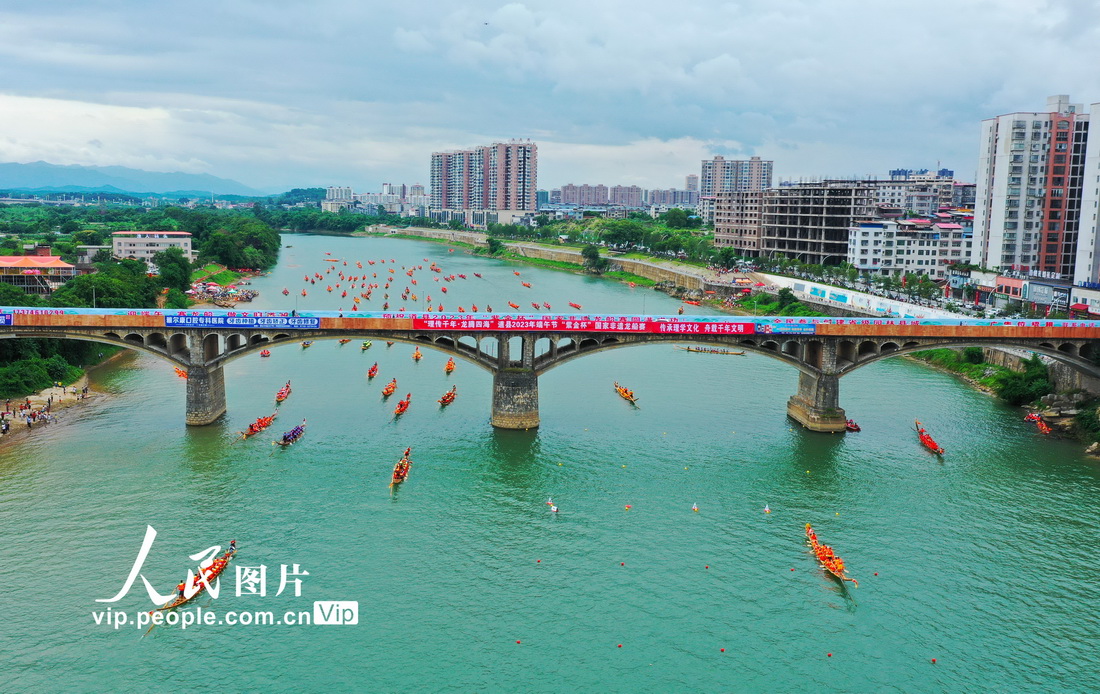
{"type": "Point", "coordinates": [32, 261]}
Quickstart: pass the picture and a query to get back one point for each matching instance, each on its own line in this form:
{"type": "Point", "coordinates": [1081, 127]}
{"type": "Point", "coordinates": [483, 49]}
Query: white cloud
{"type": "Point", "coordinates": [281, 92]}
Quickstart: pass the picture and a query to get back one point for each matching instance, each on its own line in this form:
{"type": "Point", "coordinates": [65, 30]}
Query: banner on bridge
{"type": "Point", "coordinates": [5, 319]}
{"type": "Point", "coordinates": [261, 322]}
{"type": "Point", "coordinates": [584, 324]}
{"type": "Point", "coordinates": [786, 328]}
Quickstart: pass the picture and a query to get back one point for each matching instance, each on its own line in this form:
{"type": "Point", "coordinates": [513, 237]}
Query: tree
{"type": "Point", "coordinates": [174, 267]}
{"type": "Point", "coordinates": [786, 298]}
{"type": "Point", "coordinates": [11, 295]}
{"type": "Point", "coordinates": [455, 224]}
{"type": "Point", "coordinates": [592, 259]}
{"type": "Point", "coordinates": [495, 245]}
{"type": "Point", "coordinates": [676, 218]}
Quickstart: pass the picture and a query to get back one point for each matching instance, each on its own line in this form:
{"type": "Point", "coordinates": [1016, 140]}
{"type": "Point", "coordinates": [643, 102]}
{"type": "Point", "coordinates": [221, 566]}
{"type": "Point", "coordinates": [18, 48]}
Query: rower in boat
{"type": "Point", "coordinates": [373, 371]}
{"type": "Point", "coordinates": [265, 353]}
{"type": "Point", "coordinates": [283, 393]}
{"type": "Point", "coordinates": [293, 435]}
{"type": "Point", "coordinates": [450, 365]}
{"type": "Point", "coordinates": [390, 388]}
{"type": "Point", "coordinates": [365, 346]}
{"type": "Point", "coordinates": [625, 393]}
{"type": "Point", "coordinates": [403, 405]}
{"type": "Point", "coordinates": [927, 441]}
{"type": "Point", "coordinates": [306, 344]}
{"type": "Point", "coordinates": [449, 396]}
{"type": "Point", "coordinates": [344, 341]}
{"type": "Point", "coordinates": [832, 564]}
{"type": "Point", "coordinates": [389, 343]}
{"type": "Point", "coordinates": [417, 356]}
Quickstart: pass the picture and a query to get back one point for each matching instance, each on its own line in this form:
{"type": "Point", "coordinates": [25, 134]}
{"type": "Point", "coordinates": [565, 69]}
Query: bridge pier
{"type": "Point", "coordinates": [816, 406]}
{"type": "Point", "coordinates": [205, 394]}
{"type": "Point", "coordinates": [515, 399]}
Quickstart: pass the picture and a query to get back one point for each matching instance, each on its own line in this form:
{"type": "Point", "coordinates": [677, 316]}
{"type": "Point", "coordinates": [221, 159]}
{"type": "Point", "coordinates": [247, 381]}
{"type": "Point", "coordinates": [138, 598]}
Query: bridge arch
{"type": "Point", "coordinates": [113, 339]}
{"type": "Point", "coordinates": [1068, 357]}
{"type": "Point", "coordinates": [584, 346]}
{"type": "Point", "coordinates": [447, 344]}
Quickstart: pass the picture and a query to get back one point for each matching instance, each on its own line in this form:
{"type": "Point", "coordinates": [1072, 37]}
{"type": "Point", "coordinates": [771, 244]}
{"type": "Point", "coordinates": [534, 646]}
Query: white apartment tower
{"type": "Point", "coordinates": [1033, 168]}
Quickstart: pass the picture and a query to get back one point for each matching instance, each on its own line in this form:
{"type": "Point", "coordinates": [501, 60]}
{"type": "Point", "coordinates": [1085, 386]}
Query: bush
{"type": "Point", "coordinates": [57, 368]}
{"type": "Point", "coordinates": [973, 355]}
{"type": "Point", "coordinates": [1019, 388]}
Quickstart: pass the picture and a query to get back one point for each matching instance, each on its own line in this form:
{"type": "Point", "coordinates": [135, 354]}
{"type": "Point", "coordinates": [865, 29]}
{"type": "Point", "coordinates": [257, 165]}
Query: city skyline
{"type": "Point", "coordinates": [334, 93]}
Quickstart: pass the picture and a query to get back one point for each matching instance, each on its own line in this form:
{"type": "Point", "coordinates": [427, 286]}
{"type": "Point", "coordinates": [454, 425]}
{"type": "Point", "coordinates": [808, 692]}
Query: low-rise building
{"type": "Point", "coordinates": [40, 273]}
{"type": "Point", "coordinates": [143, 245]}
{"type": "Point", "coordinates": [904, 246]}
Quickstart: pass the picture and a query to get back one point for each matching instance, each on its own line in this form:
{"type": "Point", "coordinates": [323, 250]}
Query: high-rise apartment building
{"type": "Point", "coordinates": [691, 182]}
{"type": "Point", "coordinates": [500, 176]}
{"type": "Point", "coordinates": [341, 193]}
{"type": "Point", "coordinates": [673, 196]}
{"type": "Point", "coordinates": [1032, 168]}
{"type": "Point", "coordinates": [737, 217]}
{"type": "Point", "coordinates": [626, 196]}
{"type": "Point", "coordinates": [584, 194]}
{"type": "Point", "coordinates": [720, 174]}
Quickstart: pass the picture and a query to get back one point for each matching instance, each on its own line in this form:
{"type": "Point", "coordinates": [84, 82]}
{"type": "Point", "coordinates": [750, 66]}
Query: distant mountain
{"type": "Point", "coordinates": [52, 178]}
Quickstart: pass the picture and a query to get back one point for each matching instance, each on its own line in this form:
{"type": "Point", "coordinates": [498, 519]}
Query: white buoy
{"type": "Point", "coordinates": [766, 509]}
{"type": "Point", "coordinates": [695, 508]}
{"type": "Point", "coordinates": [553, 509]}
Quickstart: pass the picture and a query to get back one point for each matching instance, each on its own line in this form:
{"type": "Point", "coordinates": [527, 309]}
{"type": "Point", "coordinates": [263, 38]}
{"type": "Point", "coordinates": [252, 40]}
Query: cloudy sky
{"type": "Point", "coordinates": [280, 93]}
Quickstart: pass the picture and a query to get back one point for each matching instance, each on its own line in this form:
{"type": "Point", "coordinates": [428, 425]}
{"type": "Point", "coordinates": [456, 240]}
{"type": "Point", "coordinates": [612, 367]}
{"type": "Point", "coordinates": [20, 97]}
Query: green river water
{"type": "Point", "coordinates": [985, 561]}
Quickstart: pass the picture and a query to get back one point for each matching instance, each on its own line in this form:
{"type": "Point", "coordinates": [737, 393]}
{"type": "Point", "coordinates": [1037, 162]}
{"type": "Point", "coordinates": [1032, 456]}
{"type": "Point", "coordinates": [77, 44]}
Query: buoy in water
{"type": "Point", "coordinates": [693, 506]}
{"type": "Point", "coordinates": [766, 509]}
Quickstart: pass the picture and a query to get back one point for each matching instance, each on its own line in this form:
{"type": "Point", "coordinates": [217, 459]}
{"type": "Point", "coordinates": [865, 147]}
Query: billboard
{"type": "Point", "coordinates": [261, 322]}
{"type": "Point", "coordinates": [627, 324]}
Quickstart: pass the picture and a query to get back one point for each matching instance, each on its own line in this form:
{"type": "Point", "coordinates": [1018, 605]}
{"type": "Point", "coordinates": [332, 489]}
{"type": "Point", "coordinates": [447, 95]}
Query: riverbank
{"type": "Point", "coordinates": [56, 399]}
{"type": "Point", "coordinates": [675, 278]}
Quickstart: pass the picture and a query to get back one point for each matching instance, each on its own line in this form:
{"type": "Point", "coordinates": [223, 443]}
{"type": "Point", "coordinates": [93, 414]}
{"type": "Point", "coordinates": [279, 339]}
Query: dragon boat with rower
{"type": "Point", "coordinates": [283, 393]}
{"type": "Point", "coordinates": [259, 425]}
{"type": "Point", "coordinates": [625, 393]}
{"type": "Point", "coordinates": [401, 468]}
{"type": "Point", "coordinates": [713, 350]}
{"type": "Point", "coordinates": [830, 562]}
{"type": "Point", "coordinates": [211, 574]}
{"type": "Point", "coordinates": [448, 397]}
{"type": "Point", "coordinates": [403, 405]}
{"type": "Point", "coordinates": [293, 436]}
{"type": "Point", "coordinates": [926, 440]}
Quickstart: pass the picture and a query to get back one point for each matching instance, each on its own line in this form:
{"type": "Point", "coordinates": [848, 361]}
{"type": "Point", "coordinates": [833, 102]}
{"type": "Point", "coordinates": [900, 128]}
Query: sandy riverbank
{"type": "Point", "coordinates": [58, 399]}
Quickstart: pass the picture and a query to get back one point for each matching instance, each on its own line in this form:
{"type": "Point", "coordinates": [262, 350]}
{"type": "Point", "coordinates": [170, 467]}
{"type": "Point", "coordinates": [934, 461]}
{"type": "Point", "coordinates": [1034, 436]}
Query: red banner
{"type": "Point", "coordinates": [583, 324]}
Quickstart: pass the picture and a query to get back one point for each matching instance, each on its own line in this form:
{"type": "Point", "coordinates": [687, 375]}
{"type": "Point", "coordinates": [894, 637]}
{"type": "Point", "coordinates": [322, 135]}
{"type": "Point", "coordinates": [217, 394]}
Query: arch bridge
{"type": "Point", "coordinates": [518, 349]}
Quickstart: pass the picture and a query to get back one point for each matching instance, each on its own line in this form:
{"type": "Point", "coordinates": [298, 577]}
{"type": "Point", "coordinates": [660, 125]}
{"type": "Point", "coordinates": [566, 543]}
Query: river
{"type": "Point", "coordinates": [985, 561]}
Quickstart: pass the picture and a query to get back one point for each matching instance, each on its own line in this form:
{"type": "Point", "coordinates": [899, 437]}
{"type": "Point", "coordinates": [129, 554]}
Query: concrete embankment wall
{"type": "Point", "coordinates": [657, 273]}
{"type": "Point", "coordinates": [1062, 376]}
